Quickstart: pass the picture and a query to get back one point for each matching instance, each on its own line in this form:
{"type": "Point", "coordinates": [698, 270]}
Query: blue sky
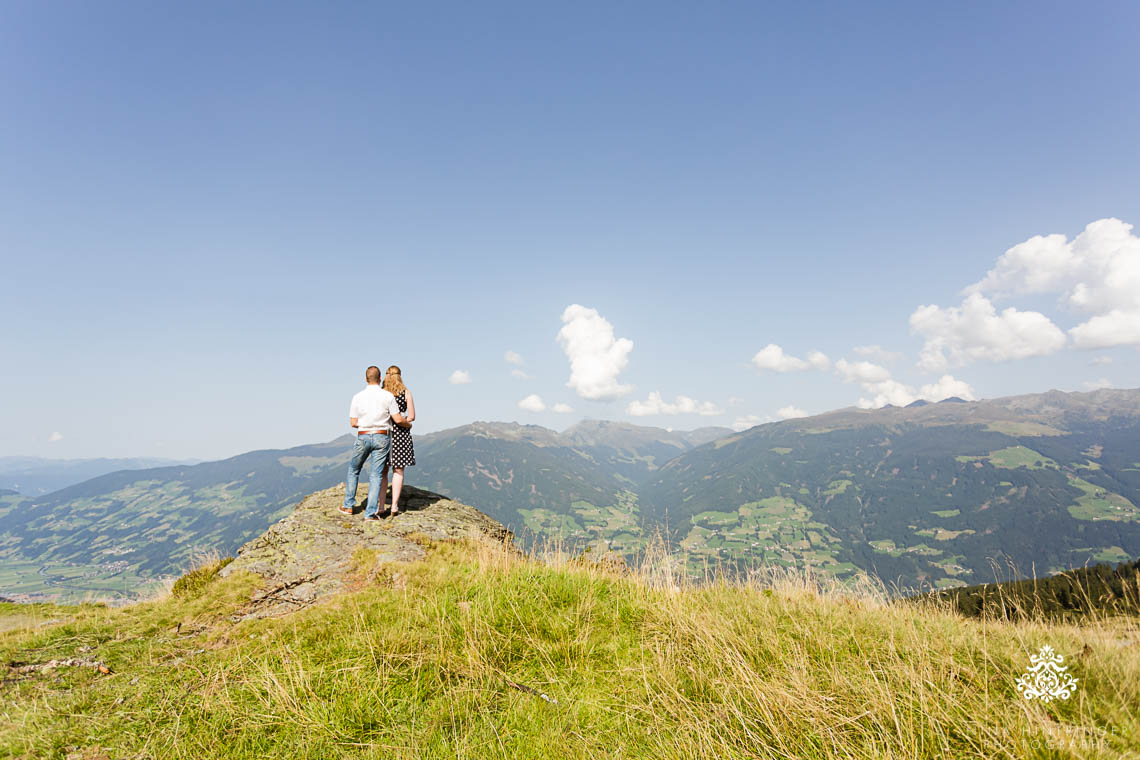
{"type": "Point", "coordinates": [215, 215]}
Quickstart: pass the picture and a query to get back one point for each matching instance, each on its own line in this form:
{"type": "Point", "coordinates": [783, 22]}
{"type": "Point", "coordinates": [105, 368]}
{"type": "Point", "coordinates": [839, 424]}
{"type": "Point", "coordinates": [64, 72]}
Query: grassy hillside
{"type": "Point", "coordinates": [476, 652]}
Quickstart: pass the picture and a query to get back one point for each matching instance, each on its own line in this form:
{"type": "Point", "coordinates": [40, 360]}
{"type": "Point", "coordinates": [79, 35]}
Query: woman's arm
{"type": "Point", "coordinates": [411, 415]}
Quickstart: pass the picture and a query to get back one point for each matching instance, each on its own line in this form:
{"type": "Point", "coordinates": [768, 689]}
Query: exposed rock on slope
{"type": "Point", "coordinates": [308, 554]}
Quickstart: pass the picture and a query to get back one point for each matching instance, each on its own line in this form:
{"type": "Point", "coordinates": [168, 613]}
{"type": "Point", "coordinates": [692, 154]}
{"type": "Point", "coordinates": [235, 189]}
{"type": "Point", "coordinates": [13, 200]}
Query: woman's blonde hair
{"type": "Point", "coordinates": [393, 383]}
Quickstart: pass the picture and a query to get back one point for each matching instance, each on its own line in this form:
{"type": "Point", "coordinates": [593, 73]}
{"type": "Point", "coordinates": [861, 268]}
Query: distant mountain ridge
{"type": "Point", "coordinates": [919, 497]}
{"type": "Point", "coordinates": [36, 476]}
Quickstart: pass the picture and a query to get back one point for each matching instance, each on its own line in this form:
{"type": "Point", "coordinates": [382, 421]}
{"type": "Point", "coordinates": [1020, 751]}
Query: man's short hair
{"type": "Point", "coordinates": [372, 374]}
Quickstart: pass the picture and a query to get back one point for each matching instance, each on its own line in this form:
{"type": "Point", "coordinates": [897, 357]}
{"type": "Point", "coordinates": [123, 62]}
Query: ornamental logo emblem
{"type": "Point", "coordinates": [1046, 678]}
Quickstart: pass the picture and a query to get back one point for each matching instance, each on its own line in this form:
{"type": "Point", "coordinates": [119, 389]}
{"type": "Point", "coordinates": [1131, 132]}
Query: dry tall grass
{"type": "Point", "coordinates": [481, 652]}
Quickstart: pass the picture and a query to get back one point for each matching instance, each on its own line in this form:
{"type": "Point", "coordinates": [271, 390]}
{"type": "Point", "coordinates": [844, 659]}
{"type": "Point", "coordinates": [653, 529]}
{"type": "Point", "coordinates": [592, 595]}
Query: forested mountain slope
{"type": "Point", "coordinates": [941, 494]}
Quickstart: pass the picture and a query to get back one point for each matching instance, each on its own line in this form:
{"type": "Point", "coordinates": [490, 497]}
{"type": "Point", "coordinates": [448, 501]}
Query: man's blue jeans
{"type": "Point", "coordinates": [375, 446]}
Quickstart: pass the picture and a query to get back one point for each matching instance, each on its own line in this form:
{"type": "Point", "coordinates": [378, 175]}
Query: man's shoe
{"type": "Point", "coordinates": [346, 510]}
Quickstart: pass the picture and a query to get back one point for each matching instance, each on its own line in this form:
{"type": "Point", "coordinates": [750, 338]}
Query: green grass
{"type": "Point", "coordinates": [1012, 457]}
{"type": "Point", "coordinates": [773, 530]}
{"type": "Point", "coordinates": [1018, 429]}
{"type": "Point", "coordinates": [1112, 554]}
{"type": "Point", "coordinates": [25, 580]}
{"type": "Point", "coordinates": [453, 660]}
{"type": "Point", "coordinates": [1099, 504]}
{"type": "Point", "coordinates": [196, 581]}
{"type": "Point", "coordinates": [946, 512]}
{"type": "Point", "coordinates": [836, 487]}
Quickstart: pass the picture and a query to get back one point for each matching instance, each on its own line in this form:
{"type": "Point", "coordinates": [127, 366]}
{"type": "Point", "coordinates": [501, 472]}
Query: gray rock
{"type": "Point", "coordinates": [307, 556]}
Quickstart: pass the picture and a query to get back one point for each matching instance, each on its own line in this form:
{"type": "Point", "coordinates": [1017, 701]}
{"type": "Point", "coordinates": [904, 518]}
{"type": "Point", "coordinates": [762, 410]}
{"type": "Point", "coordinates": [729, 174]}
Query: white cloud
{"type": "Point", "coordinates": [772, 357]}
{"type": "Point", "coordinates": [533, 403]}
{"type": "Point", "coordinates": [790, 413]}
{"type": "Point", "coordinates": [516, 372]}
{"type": "Point", "coordinates": [818, 360]}
{"type": "Point", "coordinates": [750, 420]}
{"type": "Point", "coordinates": [957, 336]}
{"type": "Point", "coordinates": [55, 437]}
{"type": "Point", "coordinates": [1098, 273]}
{"type": "Point", "coordinates": [878, 352]}
{"type": "Point", "coordinates": [945, 387]}
{"type": "Point", "coordinates": [1096, 385]}
{"type": "Point", "coordinates": [1119, 327]}
{"type": "Point", "coordinates": [1100, 361]}
{"type": "Point", "coordinates": [561, 408]}
{"type": "Point", "coordinates": [887, 392]}
{"type": "Point", "coordinates": [681, 405]}
{"type": "Point", "coordinates": [862, 372]}
{"type": "Point", "coordinates": [459, 377]}
{"type": "Point", "coordinates": [877, 380]}
{"type": "Point", "coordinates": [512, 357]}
{"type": "Point", "coordinates": [596, 356]}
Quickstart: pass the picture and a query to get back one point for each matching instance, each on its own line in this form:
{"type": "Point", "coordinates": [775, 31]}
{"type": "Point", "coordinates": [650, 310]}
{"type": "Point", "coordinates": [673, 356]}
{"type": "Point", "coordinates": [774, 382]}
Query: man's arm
{"type": "Point", "coordinates": [354, 422]}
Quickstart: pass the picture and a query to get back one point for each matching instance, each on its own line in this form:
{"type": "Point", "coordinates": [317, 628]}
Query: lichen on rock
{"type": "Point", "coordinates": [308, 554]}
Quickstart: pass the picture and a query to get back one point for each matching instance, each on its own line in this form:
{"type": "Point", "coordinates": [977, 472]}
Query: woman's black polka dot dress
{"type": "Point", "coordinates": [402, 453]}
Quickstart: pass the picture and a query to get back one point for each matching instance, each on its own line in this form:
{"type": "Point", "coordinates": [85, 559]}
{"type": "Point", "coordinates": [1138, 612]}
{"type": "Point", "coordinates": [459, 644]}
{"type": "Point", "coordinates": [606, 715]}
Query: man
{"type": "Point", "coordinates": [372, 413]}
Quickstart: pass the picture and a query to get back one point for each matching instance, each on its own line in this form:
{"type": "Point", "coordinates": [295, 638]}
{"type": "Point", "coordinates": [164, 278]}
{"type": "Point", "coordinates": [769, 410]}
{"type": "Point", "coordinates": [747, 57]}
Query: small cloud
{"type": "Point", "coordinates": [861, 372]}
{"type": "Point", "coordinates": [946, 387]}
{"type": "Point", "coordinates": [748, 421]}
{"type": "Point", "coordinates": [516, 372]}
{"type": "Point", "coordinates": [1100, 361]}
{"type": "Point", "coordinates": [533, 403]}
{"type": "Point", "coordinates": [878, 352]}
{"type": "Point", "coordinates": [1096, 385]}
{"type": "Point", "coordinates": [790, 413]}
{"type": "Point", "coordinates": [681, 405]}
{"type": "Point", "coordinates": [561, 408]}
{"type": "Point", "coordinates": [512, 357]}
{"type": "Point", "coordinates": [877, 380]}
{"type": "Point", "coordinates": [55, 437]}
{"type": "Point", "coordinates": [772, 357]}
{"type": "Point", "coordinates": [459, 377]}
{"type": "Point", "coordinates": [596, 356]}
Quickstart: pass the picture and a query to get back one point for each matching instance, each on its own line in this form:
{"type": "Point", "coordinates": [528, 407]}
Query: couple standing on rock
{"type": "Point", "coordinates": [382, 416]}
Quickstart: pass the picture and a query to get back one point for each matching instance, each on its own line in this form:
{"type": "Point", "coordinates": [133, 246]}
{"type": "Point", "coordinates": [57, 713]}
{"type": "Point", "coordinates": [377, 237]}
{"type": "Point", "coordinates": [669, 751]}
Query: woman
{"type": "Point", "coordinates": [400, 454]}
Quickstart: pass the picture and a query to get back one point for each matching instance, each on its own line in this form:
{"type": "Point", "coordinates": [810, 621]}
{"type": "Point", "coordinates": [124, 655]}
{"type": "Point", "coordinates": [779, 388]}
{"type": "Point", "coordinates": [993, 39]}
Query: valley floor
{"type": "Point", "coordinates": [478, 652]}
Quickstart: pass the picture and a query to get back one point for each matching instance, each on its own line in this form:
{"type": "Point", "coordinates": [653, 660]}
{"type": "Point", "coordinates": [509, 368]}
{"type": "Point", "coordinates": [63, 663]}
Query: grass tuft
{"type": "Point", "coordinates": [198, 578]}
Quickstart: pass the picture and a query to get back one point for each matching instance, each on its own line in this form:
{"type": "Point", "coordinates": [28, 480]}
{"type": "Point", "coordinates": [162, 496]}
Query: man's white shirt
{"type": "Point", "coordinates": [373, 408]}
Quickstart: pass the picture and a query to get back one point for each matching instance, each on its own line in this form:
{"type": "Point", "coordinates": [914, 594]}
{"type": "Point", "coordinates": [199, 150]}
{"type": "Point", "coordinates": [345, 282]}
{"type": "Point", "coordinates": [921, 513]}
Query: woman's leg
{"type": "Point", "coordinates": [383, 487]}
{"type": "Point", "coordinates": [397, 486]}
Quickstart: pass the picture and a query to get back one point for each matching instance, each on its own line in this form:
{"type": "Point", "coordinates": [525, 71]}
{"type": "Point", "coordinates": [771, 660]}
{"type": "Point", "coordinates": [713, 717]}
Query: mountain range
{"type": "Point", "coordinates": [36, 476]}
{"type": "Point", "coordinates": [937, 495]}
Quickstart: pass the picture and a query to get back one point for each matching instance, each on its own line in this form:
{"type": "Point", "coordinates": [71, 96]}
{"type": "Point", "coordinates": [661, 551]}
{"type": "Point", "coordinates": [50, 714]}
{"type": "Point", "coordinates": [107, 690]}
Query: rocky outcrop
{"type": "Point", "coordinates": [308, 554]}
